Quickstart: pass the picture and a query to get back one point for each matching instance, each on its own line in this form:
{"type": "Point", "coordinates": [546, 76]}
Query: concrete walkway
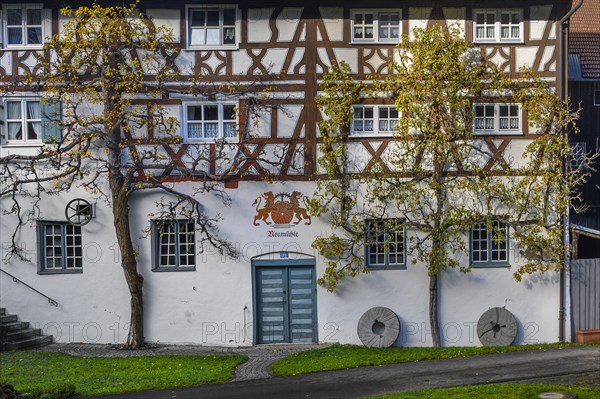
{"type": "Point", "coordinates": [550, 366]}
{"type": "Point", "coordinates": [260, 358]}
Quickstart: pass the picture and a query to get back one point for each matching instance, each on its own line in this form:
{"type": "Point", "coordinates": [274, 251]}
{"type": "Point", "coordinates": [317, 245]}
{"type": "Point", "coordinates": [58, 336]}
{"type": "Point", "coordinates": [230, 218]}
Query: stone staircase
{"type": "Point", "coordinates": [15, 334]}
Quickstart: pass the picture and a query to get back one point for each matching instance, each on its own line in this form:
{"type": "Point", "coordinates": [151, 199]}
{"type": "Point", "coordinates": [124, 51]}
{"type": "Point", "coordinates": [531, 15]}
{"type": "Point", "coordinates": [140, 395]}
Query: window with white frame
{"type": "Point", "coordinates": [376, 26]}
{"type": "Point", "coordinates": [498, 25]}
{"type": "Point", "coordinates": [374, 119]}
{"type": "Point", "coordinates": [174, 245]}
{"type": "Point", "coordinates": [597, 97]}
{"type": "Point", "coordinates": [23, 121]}
{"type": "Point", "coordinates": [385, 247]}
{"type": "Point", "coordinates": [61, 249]}
{"type": "Point", "coordinates": [213, 26]}
{"type": "Point", "coordinates": [209, 121]}
{"type": "Point", "coordinates": [497, 118]}
{"type": "Point", "coordinates": [489, 244]}
{"type": "Point", "coordinates": [23, 25]}
{"type": "Point", "coordinates": [578, 153]}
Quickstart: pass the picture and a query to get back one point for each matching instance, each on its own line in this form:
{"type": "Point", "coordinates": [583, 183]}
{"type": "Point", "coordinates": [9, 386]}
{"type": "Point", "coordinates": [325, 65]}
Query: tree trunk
{"type": "Point", "coordinates": [134, 280]}
{"type": "Point", "coordinates": [438, 254]}
{"type": "Point", "coordinates": [433, 309]}
{"type": "Point", "coordinates": [119, 187]}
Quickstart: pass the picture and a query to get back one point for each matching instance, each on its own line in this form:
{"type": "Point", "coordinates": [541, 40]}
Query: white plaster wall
{"type": "Point", "coordinates": [62, 22]}
{"type": "Point", "coordinates": [287, 119]}
{"type": "Point", "coordinates": [93, 305]}
{"type": "Point", "coordinates": [259, 124]}
{"type": "Point", "coordinates": [499, 59]}
{"type": "Point", "coordinates": [525, 56]}
{"type": "Point", "coordinates": [358, 157]}
{"type": "Point", "coordinates": [165, 119]}
{"type": "Point", "coordinates": [298, 55]}
{"type": "Point", "coordinates": [213, 304]}
{"type": "Point", "coordinates": [274, 59]}
{"type": "Point", "coordinates": [417, 18]}
{"type": "Point", "coordinates": [324, 58]}
{"type": "Point", "coordinates": [241, 62]}
{"type": "Point", "coordinates": [258, 25]}
{"type": "Point", "coordinates": [167, 18]}
{"type": "Point", "coordinates": [539, 16]}
{"type": "Point", "coordinates": [333, 20]}
{"type": "Point", "coordinates": [546, 57]}
{"type": "Point", "coordinates": [31, 61]}
{"type": "Point", "coordinates": [376, 61]}
{"type": "Point", "coordinates": [287, 23]}
{"type": "Point", "coordinates": [349, 55]}
{"type": "Point", "coordinates": [213, 62]}
{"type": "Point", "coordinates": [456, 16]}
{"type": "Point", "coordinates": [186, 61]}
{"type": "Point", "coordinates": [514, 153]}
{"type": "Point", "coordinates": [6, 62]}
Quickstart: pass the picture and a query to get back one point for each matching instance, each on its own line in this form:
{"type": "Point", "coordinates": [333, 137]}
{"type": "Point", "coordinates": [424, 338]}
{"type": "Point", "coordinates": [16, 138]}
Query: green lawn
{"type": "Point", "coordinates": [338, 357]}
{"type": "Point", "coordinates": [495, 391]}
{"type": "Point", "coordinates": [29, 371]}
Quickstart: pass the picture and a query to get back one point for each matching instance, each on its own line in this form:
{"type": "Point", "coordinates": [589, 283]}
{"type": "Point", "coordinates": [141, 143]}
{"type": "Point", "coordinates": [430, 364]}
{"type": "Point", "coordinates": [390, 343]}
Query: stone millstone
{"type": "Point", "coordinates": [497, 327]}
{"type": "Point", "coordinates": [378, 327]}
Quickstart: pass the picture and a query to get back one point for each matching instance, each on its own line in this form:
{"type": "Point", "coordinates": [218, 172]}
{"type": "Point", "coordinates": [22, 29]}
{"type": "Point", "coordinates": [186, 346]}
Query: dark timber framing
{"type": "Point", "coordinates": [300, 74]}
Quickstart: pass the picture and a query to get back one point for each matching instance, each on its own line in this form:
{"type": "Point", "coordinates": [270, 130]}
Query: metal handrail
{"type": "Point", "coordinates": [16, 280]}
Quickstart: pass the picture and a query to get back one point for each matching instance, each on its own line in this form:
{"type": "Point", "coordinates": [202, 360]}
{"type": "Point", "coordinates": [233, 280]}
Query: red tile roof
{"type": "Point", "coordinates": [584, 37]}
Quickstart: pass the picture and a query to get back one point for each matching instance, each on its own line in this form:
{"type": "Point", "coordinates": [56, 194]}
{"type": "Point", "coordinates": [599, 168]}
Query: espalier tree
{"type": "Point", "coordinates": [433, 184]}
{"type": "Point", "coordinates": [99, 79]}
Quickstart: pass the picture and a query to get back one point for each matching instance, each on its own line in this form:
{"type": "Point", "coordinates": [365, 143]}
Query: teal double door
{"type": "Point", "coordinates": [285, 302]}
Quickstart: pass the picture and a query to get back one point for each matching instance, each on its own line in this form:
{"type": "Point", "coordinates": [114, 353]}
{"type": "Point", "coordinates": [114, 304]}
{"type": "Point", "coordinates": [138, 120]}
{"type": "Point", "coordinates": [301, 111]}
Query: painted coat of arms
{"type": "Point", "coordinates": [280, 210]}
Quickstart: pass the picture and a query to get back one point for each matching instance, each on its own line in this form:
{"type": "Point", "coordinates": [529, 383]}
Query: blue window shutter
{"type": "Point", "coordinates": [155, 245]}
{"type": "Point", "coordinates": [1, 29]}
{"type": "Point", "coordinates": [51, 121]}
{"type": "Point", "coordinates": [47, 21]}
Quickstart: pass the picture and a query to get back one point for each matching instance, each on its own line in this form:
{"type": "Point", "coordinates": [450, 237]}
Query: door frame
{"type": "Point", "coordinates": [280, 259]}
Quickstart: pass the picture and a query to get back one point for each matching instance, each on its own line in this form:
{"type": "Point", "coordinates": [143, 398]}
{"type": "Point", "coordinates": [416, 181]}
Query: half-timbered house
{"type": "Point", "coordinates": [269, 294]}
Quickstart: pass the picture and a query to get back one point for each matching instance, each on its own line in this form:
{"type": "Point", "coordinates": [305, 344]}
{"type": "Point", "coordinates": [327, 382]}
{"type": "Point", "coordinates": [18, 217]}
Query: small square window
{"type": "Point", "coordinates": [385, 244]}
{"type": "Point", "coordinates": [497, 118]}
{"type": "Point", "coordinates": [61, 248]}
{"type": "Point", "coordinates": [30, 121]}
{"type": "Point", "coordinates": [23, 25]}
{"type": "Point", "coordinates": [489, 244]}
{"type": "Point", "coordinates": [23, 119]}
{"type": "Point", "coordinates": [213, 26]}
{"type": "Point", "coordinates": [374, 120]}
{"type": "Point", "coordinates": [376, 26]}
{"type": "Point", "coordinates": [210, 121]}
{"type": "Point", "coordinates": [501, 25]}
{"type": "Point", "coordinates": [174, 245]}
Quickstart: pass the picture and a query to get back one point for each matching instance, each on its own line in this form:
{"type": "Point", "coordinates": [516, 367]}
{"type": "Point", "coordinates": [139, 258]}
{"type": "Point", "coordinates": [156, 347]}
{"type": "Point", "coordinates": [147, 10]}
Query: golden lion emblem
{"type": "Point", "coordinates": [280, 209]}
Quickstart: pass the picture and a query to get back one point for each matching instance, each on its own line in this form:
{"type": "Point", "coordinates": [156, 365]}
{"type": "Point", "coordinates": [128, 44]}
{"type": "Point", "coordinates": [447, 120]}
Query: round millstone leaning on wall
{"type": "Point", "coordinates": [378, 327]}
{"type": "Point", "coordinates": [497, 327]}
